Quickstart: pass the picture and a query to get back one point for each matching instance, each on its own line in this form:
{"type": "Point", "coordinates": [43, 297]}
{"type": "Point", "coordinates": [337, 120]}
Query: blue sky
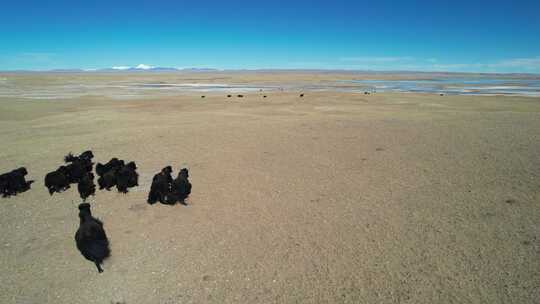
{"type": "Point", "coordinates": [473, 36]}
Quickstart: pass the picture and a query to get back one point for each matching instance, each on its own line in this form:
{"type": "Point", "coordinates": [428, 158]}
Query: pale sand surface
{"type": "Point", "coordinates": [332, 198]}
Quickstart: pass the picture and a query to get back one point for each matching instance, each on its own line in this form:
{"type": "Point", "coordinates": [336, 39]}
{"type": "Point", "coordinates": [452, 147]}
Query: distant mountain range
{"type": "Point", "coordinates": [139, 68]}
{"type": "Point", "coordinates": [142, 68]}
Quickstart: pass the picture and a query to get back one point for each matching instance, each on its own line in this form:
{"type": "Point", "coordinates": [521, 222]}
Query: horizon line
{"type": "Point", "coordinates": [208, 70]}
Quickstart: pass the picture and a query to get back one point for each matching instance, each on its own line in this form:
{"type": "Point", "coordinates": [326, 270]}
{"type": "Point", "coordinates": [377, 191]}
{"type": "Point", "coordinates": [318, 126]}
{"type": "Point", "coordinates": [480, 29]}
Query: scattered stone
{"type": "Point", "coordinates": [511, 201]}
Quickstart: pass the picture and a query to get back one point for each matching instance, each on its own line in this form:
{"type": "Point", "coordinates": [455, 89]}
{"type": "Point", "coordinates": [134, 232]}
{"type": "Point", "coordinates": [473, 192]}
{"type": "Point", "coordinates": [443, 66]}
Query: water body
{"type": "Point", "coordinates": [120, 90]}
{"type": "Point", "coordinates": [458, 86]}
{"type": "Point", "coordinates": [128, 90]}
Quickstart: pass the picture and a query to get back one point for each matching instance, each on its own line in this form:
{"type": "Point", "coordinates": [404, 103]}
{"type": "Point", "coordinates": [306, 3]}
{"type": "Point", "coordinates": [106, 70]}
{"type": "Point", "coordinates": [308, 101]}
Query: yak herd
{"type": "Point", "coordinates": [90, 238]}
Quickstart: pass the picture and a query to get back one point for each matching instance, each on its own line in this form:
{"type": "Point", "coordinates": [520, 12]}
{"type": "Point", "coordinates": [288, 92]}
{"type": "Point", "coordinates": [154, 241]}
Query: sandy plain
{"type": "Point", "coordinates": [331, 198]}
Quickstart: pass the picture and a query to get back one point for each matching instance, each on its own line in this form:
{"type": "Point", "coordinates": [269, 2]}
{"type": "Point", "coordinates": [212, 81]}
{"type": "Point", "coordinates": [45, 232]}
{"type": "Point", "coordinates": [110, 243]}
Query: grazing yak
{"type": "Point", "coordinates": [127, 177]}
{"type": "Point", "coordinates": [85, 156]}
{"type": "Point", "coordinates": [86, 186]}
{"type": "Point", "coordinates": [117, 173]}
{"type": "Point", "coordinates": [161, 185]}
{"type": "Point", "coordinates": [85, 160]}
{"type": "Point", "coordinates": [107, 180]}
{"type": "Point", "coordinates": [168, 191]}
{"type": "Point", "coordinates": [58, 181]}
{"type": "Point", "coordinates": [78, 166]}
{"type": "Point", "coordinates": [76, 171]}
{"type": "Point", "coordinates": [107, 173]}
{"type": "Point", "coordinates": [113, 164]}
{"type": "Point", "coordinates": [90, 238]}
{"type": "Point", "coordinates": [181, 187]}
{"type": "Point", "coordinates": [14, 182]}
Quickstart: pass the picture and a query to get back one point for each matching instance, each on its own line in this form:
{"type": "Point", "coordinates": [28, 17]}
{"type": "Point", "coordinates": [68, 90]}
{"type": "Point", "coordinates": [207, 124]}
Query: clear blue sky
{"type": "Point", "coordinates": [483, 36]}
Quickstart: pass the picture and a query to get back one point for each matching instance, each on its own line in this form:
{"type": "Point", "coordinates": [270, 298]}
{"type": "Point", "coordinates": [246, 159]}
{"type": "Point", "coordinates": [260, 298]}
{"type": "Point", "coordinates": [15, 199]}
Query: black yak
{"type": "Point", "coordinates": [14, 182]}
{"type": "Point", "coordinates": [86, 155]}
{"type": "Point", "coordinates": [181, 187]}
{"type": "Point", "coordinates": [58, 181]}
{"type": "Point", "coordinates": [107, 173]}
{"type": "Point", "coordinates": [108, 180]}
{"type": "Point", "coordinates": [77, 170]}
{"type": "Point", "coordinates": [84, 160]}
{"type": "Point", "coordinates": [86, 186]}
{"type": "Point", "coordinates": [127, 177]}
{"type": "Point", "coordinates": [168, 191]}
{"type": "Point", "coordinates": [90, 238]}
{"type": "Point", "coordinates": [161, 185]}
{"type": "Point", "coordinates": [113, 164]}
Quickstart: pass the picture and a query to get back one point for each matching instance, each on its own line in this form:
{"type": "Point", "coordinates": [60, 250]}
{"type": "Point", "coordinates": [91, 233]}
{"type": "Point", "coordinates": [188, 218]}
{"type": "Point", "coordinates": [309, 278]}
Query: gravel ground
{"type": "Point", "coordinates": [330, 198]}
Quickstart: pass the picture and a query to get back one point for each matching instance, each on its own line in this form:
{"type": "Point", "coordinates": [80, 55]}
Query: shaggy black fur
{"type": "Point", "coordinates": [108, 180]}
{"type": "Point", "coordinates": [86, 155]}
{"type": "Point", "coordinates": [76, 171]}
{"type": "Point", "coordinates": [181, 187]}
{"type": "Point", "coordinates": [84, 160]}
{"type": "Point", "coordinates": [127, 177]}
{"type": "Point", "coordinates": [113, 164]}
{"type": "Point", "coordinates": [57, 181]}
{"type": "Point", "coordinates": [14, 182]}
{"type": "Point", "coordinates": [86, 186]}
{"type": "Point", "coordinates": [168, 191]}
{"type": "Point", "coordinates": [161, 185]}
{"type": "Point", "coordinates": [90, 238]}
{"type": "Point", "coordinates": [108, 173]}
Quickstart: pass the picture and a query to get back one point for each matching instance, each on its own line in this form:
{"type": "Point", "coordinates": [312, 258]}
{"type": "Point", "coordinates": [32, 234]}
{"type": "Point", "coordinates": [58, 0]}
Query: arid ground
{"type": "Point", "coordinates": [331, 198]}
